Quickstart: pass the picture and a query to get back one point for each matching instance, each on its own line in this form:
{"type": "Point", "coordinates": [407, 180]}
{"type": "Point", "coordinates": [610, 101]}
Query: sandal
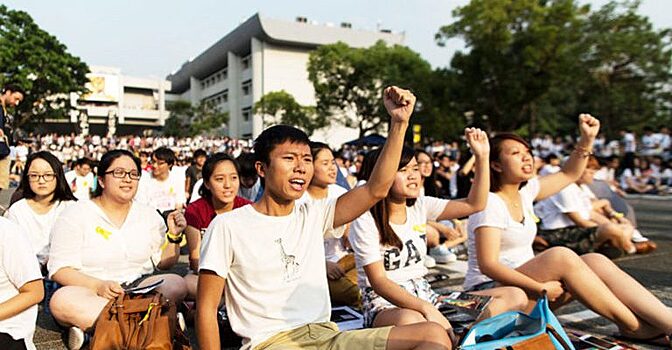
{"type": "Point", "coordinates": [659, 340]}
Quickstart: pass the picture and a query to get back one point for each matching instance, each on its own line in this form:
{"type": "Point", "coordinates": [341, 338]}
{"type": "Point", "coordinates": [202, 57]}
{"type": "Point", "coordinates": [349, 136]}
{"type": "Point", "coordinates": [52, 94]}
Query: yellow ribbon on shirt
{"type": "Point", "coordinates": [103, 232]}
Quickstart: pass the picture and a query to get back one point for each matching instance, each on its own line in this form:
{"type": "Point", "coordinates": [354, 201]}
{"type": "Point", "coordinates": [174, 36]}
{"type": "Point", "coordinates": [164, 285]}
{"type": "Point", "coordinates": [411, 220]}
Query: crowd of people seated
{"type": "Point", "coordinates": [278, 232]}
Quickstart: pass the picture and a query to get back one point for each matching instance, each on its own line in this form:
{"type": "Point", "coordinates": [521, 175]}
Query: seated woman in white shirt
{"type": "Point", "coordinates": [102, 246]}
{"type": "Point", "coordinates": [341, 270]}
{"type": "Point", "coordinates": [390, 245]}
{"type": "Point", "coordinates": [21, 288]}
{"type": "Point", "coordinates": [568, 220]}
{"type": "Point", "coordinates": [500, 244]}
{"type": "Point", "coordinates": [45, 195]}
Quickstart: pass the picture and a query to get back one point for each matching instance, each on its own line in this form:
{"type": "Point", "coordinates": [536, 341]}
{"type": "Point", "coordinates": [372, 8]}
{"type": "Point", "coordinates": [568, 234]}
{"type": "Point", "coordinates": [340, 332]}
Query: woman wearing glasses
{"type": "Point", "coordinates": [45, 195]}
{"type": "Point", "coordinates": [103, 246]}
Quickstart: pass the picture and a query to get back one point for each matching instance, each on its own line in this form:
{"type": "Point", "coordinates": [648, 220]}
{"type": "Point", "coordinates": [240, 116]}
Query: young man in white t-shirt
{"type": "Point", "coordinates": [270, 254]}
{"type": "Point", "coordinates": [81, 179]}
{"type": "Point", "coordinates": [164, 190]}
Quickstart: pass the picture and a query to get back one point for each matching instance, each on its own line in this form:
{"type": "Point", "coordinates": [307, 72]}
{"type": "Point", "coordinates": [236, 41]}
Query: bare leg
{"type": "Point", "coordinates": [76, 306]}
{"type": "Point", "coordinates": [639, 300]}
{"type": "Point", "coordinates": [174, 287]}
{"type": "Point", "coordinates": [503, 299]}
{"type": "Point", "coordinates": [191, 281]}
{"type": "Point", "coordinates": [562, 264]}
{"type": "Point", "coordinates": [419, 336]}
{"type": "Point", "coordinates": [398, 317]}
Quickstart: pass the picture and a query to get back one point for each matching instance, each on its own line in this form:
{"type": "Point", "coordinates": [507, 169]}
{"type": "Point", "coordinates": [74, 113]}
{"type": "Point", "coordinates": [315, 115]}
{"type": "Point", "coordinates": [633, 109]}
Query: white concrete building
{"type": "Point", "coordinates": [263, 55]}
{"type": "Point", "coordinates": [117, 104]}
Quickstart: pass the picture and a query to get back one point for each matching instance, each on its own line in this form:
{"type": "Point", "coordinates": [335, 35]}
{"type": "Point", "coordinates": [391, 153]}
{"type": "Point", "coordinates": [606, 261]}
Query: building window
{"type": "Point", "coordinates": [247, 87]}
{"type": "Point", "coordinates": [245, 62]}
{"type": "Point", "coordinates": [247, 113]}
{"type": "Point", "coordinates": [225, 73]}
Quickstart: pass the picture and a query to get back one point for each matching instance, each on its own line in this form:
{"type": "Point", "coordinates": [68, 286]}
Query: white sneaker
{"type": "Point", "coordinates": [429, 262]}
{"type": "Point", "coordinates": [75, 338]}
{"type": "Point", "coordinates": [442, 254]}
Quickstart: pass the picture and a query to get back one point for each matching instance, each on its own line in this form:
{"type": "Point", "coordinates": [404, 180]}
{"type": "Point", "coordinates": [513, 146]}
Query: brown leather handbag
{"type": "Point", "coordinates": [139, 322]}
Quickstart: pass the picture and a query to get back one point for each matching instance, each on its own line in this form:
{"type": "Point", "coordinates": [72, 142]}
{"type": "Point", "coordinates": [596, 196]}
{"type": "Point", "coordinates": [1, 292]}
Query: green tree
{"type": "Point", "coordinates": [349, 81]}
{"type": "Point", "coordinates": [518, 50]}
{"type": "Point", "coordinates": [628, 68]}
{"type": "Point", "coordinates": [280, 107]}
{"type": "Point", "coordinates": [38, 62]}
{"type": "Point", "coordinates": [188, 120]}
{"type": "Point", "coordinates": [535, 65]}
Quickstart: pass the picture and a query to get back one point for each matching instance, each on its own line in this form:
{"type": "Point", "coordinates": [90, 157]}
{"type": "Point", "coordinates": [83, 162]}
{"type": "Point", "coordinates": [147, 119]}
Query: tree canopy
{"type": "Point", "coordinates": [534, 65]}
{"type": "Point", "coordinates": [35, 60]}
{"type": "Point", "coordinates": [349, 81]}
{"type": "Point", "coordinates": [280, 107]}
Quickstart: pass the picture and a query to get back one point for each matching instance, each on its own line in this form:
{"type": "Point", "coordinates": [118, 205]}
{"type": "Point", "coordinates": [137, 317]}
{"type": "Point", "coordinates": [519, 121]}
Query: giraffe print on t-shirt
{"type": "Point", "coordinates": [289, 263]}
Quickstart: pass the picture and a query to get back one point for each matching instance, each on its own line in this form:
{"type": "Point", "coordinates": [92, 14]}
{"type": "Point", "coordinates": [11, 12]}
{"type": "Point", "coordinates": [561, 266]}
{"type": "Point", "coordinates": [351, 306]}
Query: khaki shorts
{"type": "Point", "coordinates": [327, 336]}
{"type": "Point", "coordinates": [4, 173]}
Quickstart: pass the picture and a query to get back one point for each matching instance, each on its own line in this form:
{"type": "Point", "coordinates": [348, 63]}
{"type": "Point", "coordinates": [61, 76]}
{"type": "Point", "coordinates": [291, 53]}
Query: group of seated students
{"type": "Point", "coordinates": [266, 259]}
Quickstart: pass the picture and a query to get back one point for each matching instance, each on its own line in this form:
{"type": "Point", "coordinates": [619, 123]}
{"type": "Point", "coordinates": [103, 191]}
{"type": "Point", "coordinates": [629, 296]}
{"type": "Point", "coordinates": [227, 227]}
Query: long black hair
{"type": "Point", "coordinates": [62, 191]}
{"type": "Point", "coordinates": [106, 162]}
{"type": "Point", "coordinates": [381, 211]}
{"type": "Point", "coordinates": [429, 183]}
{"type": "Point", "coordinates": [209, 168]}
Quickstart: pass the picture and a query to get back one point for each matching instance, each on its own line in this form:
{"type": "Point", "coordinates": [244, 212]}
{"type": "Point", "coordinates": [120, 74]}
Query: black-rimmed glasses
{"type": "Point", "coordinates": [121, 173]}
{"type": "Point", "coordinates": [48, 177]}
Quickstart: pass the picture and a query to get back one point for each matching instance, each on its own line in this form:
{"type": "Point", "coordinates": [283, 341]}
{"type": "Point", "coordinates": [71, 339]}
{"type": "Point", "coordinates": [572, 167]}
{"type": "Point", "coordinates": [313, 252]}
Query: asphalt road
{"type": "Point", "coordinates": [654, 271]}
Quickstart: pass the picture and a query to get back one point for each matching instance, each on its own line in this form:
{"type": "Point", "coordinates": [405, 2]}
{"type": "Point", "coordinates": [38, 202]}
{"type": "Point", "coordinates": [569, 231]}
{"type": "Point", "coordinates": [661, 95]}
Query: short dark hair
{"type": "Point", "coordinates": [209, 168]}
{"type": "Point", "coordinates": [275, 135]}
{"type": "Point", "coordinates": [200, 153]}
{"type": "Point", "coordinates": [106, 162]}
{"type": "Point", "coordinates": [246, 165]}
{"type": "Point", "coordinates": [316, 147]}
{"type": "Point", "coordinates": [62, 191]}
{"type": "Point", "coordinates": [380, 211]}
{"type": "Point", "coordinates": [13, 88]}
{"type": "Point", "coordinates": [165, 154]}
{"type": "Point", "coordinates": [496, 150]}
{"type": "Point", "coordinates": [83, 161]}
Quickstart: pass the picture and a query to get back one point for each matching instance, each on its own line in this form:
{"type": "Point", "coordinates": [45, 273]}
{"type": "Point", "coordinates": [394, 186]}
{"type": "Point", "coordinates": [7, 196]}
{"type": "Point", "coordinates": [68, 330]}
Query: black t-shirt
{"type": "Point", "coordinates": [6, 125]}
{"type": "Point", "coordinates": [193, 174]}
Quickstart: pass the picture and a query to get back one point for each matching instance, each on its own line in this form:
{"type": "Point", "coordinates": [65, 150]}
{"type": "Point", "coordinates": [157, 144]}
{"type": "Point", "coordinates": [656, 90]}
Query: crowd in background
{"type": "Point", "coordinates": [631, 164]}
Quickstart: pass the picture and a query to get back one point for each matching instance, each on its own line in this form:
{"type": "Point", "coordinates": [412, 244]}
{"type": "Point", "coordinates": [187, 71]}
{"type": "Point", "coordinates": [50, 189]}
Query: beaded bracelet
{"type": "Point", "coordinates": [582, 151]}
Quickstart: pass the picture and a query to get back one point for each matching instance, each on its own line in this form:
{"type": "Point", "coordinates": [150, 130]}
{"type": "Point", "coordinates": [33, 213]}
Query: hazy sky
{"type": "Point", "coordinates": [152, 38]}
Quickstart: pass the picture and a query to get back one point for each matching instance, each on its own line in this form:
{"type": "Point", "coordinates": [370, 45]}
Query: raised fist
{"type": "Point", "coordinates": [589, 126]}
{"type": "Point", "coordinates": [478, 141]}
{"type": "Point", "coordinates": [399, 103]}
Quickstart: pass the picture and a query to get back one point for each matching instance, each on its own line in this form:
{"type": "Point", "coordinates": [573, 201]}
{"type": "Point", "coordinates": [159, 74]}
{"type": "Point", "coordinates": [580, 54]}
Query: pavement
{"type": "Point", "coordinates": [654, 271]}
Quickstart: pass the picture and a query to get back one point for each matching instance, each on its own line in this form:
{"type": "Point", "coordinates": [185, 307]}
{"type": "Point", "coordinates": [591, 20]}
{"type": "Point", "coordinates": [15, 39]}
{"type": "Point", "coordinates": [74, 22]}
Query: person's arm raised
{"type": "Point", "coordinates": [574, 167]}
{"type": "Point", "coordinates": [399, 104]}
{"type": "Point", "coordinates": [478, 194]}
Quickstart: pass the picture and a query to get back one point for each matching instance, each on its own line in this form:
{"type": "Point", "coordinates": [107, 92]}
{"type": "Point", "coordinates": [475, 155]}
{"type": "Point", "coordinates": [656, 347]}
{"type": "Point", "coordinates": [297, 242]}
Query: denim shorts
{"type": "Point", "coordinates": [373, 303]}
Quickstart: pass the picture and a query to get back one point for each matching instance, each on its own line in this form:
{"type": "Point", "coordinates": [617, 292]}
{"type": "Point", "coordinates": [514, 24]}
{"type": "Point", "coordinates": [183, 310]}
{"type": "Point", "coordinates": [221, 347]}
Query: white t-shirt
{"type": "Point", "coordinates": [250, 193]}
{"type": "Point", "coordinates": [334, 249]}
{"type": "Point", "coordinates": [85, 239]}
{"type": "Point", "coordinates": [162, 195]}
{"type": "Point", "coordinates": [18, 266]}
{"type": "Point", "coordinates": [629, 144]}
{"type": "Point", "coordinates": [81, 186]}
{"type": "Point", "coordinates": [552, 210]}
{"type": "Point", "coordinates": [400, 264]}
{"type": "Point", "coordinates": [37, 227]}
{"type": "Point", "coordinates": [274, 268]}
{"type": "Point", "coordinates": [516, 237]}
